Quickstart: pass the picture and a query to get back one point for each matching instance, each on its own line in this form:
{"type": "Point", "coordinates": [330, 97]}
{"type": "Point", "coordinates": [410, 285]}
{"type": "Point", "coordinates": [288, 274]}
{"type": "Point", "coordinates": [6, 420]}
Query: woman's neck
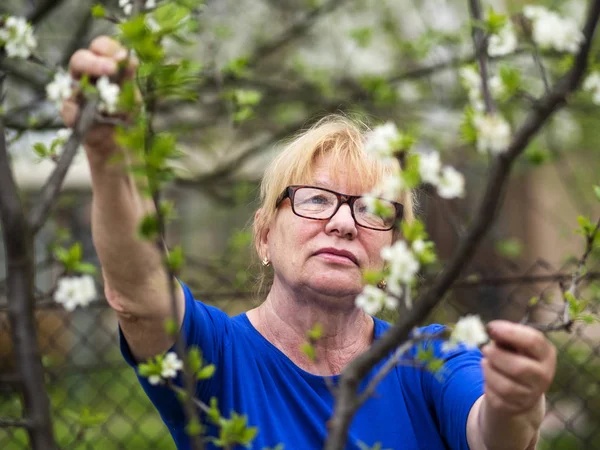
{"type": "Point", "coordinates": [285, 317]}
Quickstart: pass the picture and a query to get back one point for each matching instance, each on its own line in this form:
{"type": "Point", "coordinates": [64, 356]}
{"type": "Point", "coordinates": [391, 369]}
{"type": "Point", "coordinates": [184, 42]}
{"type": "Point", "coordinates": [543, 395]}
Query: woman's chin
{"type": "Point", "coordinates": [336, 286]}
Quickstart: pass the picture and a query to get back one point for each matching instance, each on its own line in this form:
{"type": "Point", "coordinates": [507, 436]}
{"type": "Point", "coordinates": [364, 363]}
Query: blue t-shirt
{"type": "Point", "coordinates": [412, 409]}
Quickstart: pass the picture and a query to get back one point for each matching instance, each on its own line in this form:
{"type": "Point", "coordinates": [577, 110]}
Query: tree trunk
{"type": "Point", "coordinates": [18, 244]}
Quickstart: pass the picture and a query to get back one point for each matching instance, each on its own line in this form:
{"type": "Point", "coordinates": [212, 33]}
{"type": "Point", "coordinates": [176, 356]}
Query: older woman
{"type": "Point", "coordinates": [314, 232]}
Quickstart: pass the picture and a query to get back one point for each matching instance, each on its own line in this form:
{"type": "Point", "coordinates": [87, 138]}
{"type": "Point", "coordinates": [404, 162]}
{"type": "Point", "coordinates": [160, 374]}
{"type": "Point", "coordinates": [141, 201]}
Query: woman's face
{"type": "Point", "coordinates": [325, 257]}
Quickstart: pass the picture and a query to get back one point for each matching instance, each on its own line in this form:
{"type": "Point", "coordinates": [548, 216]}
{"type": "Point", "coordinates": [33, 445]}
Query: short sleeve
{"type": "Point", "coordinates": [453, 391]}
{"type": "Point", "coordinates": [203, 326]}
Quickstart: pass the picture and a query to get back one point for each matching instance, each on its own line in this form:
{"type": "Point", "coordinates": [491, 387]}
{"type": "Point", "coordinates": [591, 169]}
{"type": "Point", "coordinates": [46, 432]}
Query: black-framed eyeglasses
{"type": "Point", "coordinates": [317, 203]}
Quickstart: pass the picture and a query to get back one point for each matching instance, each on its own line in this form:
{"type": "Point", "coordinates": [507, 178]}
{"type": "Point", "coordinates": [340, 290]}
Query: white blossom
{"type": "Point", "coordinates": [127, 6]}
{"type": "Point", "coordinates": [154, 380]}
{"type": "Point", "coordinates": [496, 86]}
{"type": "Point", "coordinates": [391, 187]}
{"type": "Point", "coordinates": [409, 92]}
{"type": "Point", "coordinates": [390, 302]}
{"type": "Point", "coordinates": [170, 365]}
{"type": "Point", "coordinates": [418, 246]}
{"type": "Point", "coordinates": [592, 85]}
{"type": "Point", "coordinates": [403, 265]}
{"type": "Point", "coordinates": [75, 291]}
{"type": "Point", "coordinates": [380, 140]}
{"type": "Point", "coordinates": [150, 4]}
{"type": "Point", "coordinates": [534, 12]}
{"type": "Point", "coordinates": [371, 300]}
{"type": "Point", "coordinates": [469, 331]}
{"type": "Point", "coordinates": [493, 133]}
{"type": "Point", "coordinates": [109, 95]}
{"type": "Point", "coordinates": [550, 30]}
{"type": "Point", "coordinates": [429, 167]}
{"type": "Point", "coordinates": [60, 88]}
{"type": "Point", "coordinates": [503, 43]}
{"type": "Point", "coordinates": [471, 80]}
{"type": "Point", "coordinates": [452, 183]}
{"type": "Point", "coordinates": [17, 37]}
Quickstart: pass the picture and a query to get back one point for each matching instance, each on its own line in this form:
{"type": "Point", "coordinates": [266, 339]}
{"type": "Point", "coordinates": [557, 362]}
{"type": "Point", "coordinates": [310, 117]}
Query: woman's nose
{"type": "Point", "coordinates": [342, 223]}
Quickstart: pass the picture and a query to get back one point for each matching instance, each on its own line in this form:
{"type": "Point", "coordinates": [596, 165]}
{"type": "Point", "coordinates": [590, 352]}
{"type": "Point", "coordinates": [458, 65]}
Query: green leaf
{"type": "Point", "coordinates": [413, 231]}
{"type": "Point", "coordinates": [510, 248]}
{"type": "Point", "coordinates": [536, 155]}
{"type": "Point", "coordinates": [175, 259]}
{"type": "Point", "coordinates": [148, 227]}
{"type": "Point", "coordinates": [362, 36]}
{"type": "Point", "coordinates": [373, 276]}
{"type": "Point", "coordinates": [468, 131]}
{"type": "Point", "coordinates": [308, 349]}
{"type": "Point", "coordinates": [193, 427]}
{"type": "Point", "coordinates": [61, 254]}
{"type": "Point", "coordinates": [247, 97]}
{"type": "Point", "coordinates": [206, 372]}
{"type": "Point", "coordinates": [511, 80]}
{"type": "Point", "coordinates": [597, 192]}
{"type": "Point", "coordinates": [98, 11]}
{"type": "Point", "coordinates": [237, 68]}
{"type": "Point", "coordinates": [84, 267]}
{"type": "Point", "coordinates": [380, 89]}
{"type": "Point", "coordinates": [76, 252]}
{"type": "Point", "coordinates": [243, 114]}
{"type": "Point", "coordinates": [316, 332]}
{"type": "Point", "coordinates": [495, 21]}
{"type": "Point", "coordinates": [41, 150]}
{"type": "Point", "coordinates": [171, 327]}
{"type": "Point", "coordinates": [435, 364]}
{"type": "Point", "coordinates": [87, 419]}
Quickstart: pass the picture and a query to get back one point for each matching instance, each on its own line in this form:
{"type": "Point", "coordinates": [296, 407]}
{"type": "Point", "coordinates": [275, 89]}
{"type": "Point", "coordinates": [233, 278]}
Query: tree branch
{"type": "Point", "coordinates": [486, 212]}
{"type": "Point", "coordinates": [49, 192]}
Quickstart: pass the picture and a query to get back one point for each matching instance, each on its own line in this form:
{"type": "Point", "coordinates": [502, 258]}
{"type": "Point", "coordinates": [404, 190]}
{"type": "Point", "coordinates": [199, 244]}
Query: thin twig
{"type": "Point", "coordinates": [51, 189]}
{"type": "Point", "coordinates": [480, 41]}
{"type": "Point", "coordinates": [391, 363]}
{"type": "Point", "coordinates": [154, 188]}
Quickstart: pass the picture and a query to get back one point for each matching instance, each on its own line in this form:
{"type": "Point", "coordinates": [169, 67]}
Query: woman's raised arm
{"type": "Point", "coordinates": [136, 284]}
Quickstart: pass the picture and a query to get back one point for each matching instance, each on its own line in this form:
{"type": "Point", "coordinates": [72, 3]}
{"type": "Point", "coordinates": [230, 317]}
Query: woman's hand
{"type": "Point", "coordinates": [101, 59]}
{"type": "Point", "coordinates": [518, 367]}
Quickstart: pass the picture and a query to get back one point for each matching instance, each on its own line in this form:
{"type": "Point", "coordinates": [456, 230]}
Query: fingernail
{"type": "Point", "coordinates": [121, 54]}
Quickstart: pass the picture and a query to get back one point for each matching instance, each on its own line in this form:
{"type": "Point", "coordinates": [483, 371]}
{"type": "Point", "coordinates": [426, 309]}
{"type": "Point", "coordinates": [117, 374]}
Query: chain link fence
{"type": "Point", "coordinates": [85, 369]}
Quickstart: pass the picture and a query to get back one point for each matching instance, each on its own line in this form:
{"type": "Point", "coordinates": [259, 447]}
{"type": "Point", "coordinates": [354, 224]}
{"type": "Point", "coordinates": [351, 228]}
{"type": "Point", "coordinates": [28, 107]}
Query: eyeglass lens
{"type": "Point", "coordinates": [316, 203]}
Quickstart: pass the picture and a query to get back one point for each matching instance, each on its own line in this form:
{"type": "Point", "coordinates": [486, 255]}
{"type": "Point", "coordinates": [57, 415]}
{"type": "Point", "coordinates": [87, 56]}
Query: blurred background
{"type": "Point", "coordinates": [270, 68]}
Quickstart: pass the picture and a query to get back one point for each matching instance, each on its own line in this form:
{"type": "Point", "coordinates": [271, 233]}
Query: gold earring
{"type": "Point", "coordinates": [382, 284]}
{"type": "Point", "coordinates": [265, 262]}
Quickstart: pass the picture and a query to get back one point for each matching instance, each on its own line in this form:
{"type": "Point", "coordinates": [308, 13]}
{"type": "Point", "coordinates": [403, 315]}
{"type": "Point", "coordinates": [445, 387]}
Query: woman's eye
{"type": "Point", "coordinates": [319, 200]}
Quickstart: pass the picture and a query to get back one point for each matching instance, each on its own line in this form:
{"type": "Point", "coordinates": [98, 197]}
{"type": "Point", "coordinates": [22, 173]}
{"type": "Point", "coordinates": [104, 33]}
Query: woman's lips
{"type": "Point", "coordinates": [339, 257]}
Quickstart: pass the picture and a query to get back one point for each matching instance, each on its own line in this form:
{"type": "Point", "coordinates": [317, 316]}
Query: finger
{"type": "Point", "coordinates": [522, 338]}
{"type": "Point", "coordinates": [509, 395]}
{"type": "Point", "coordinates": [105, 46]}
{"type": "Point", "coordinates": [519, 368]}
{"type": "Point", "coordinates": [87, 62]}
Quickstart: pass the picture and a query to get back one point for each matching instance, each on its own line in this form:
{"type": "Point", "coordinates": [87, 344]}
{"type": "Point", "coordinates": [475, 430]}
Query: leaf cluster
{"type": "Point", "coordinates": [232, 431]}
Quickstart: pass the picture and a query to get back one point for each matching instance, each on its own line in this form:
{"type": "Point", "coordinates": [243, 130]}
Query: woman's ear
{"type": "Point", "coordinates": [261, 233]}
